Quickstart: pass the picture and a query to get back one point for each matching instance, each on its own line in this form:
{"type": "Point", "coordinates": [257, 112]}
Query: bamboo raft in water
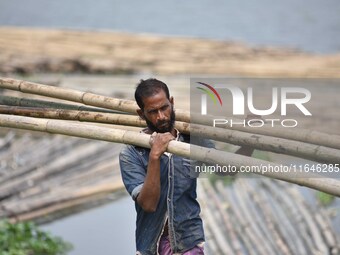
{"type": "Point", "coordinates": [264, 216]}
{"type": "Point", "coordinates": [41, 179]}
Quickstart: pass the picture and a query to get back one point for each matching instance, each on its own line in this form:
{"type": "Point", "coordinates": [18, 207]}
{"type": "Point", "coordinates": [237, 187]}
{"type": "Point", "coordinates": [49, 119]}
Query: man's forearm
{"type": "Point", "coordinates": [149, 195]}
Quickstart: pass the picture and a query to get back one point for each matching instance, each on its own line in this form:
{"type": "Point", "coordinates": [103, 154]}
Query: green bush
{"type": "Point", "coordinates": [26, 239]}
{"type": "Point", "coordinates": [324, 198]}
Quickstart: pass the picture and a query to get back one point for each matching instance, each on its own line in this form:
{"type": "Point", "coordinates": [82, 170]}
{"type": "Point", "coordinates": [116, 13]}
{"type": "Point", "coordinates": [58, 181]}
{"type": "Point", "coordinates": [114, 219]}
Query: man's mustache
{"type": "Point", "coordinates": [160, 123]}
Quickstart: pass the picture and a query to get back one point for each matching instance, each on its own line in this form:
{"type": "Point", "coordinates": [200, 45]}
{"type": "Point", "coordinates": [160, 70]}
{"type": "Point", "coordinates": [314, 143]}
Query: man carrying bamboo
{"type": "Point", "coordinates": [168, 220]}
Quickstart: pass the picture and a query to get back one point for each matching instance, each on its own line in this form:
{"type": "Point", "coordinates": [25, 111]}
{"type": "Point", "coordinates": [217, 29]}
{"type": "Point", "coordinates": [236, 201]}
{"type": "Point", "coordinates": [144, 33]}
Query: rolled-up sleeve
{"type": "Point", "coordinates": [132, 170]}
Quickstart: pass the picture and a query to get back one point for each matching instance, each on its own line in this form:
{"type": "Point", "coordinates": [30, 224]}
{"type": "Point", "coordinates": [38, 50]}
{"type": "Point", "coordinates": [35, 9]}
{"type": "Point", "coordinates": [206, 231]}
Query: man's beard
{"type": "Point", "coordinates": [170, 124]}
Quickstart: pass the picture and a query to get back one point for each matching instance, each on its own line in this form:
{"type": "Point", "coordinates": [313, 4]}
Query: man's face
{"type": "Point", "coordinates": [158, 113]}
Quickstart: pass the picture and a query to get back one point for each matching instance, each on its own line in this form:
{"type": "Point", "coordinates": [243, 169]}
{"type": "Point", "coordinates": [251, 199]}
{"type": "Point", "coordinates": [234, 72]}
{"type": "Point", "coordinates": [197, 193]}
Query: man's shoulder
{"type": "Point", "coordinates": [132, 150]}
{"type": "Point", "coordinates": [126, 148]}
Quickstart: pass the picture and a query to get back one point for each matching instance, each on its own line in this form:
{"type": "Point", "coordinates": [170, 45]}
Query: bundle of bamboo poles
{"type": "Point", "coordinates": [49, 177]}
{"type": "Point", "coordinates": [302, 143]}
{"type": "Point", "coordinates": [261, 216]}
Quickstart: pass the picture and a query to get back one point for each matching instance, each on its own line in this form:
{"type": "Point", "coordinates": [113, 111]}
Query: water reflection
{"type": "Point", "coordinates": [108, 229]}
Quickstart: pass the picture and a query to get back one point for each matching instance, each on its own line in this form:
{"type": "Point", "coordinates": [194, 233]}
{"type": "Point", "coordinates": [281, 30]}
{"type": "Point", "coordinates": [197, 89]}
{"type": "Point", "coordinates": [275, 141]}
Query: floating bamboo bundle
{"type": "Point", "coordinates": [259, 207]}
{"type": "Point", "coordinates": [129, 106]}
{"type": "Point", "coordinates": [76, 173]}
{"type": "Point", "coordinates": [331, 186]}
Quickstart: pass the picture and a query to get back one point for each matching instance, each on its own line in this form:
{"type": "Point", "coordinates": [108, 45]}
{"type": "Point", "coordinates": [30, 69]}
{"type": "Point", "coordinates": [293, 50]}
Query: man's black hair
{"type": "Point", "coordinates": [148, 88]}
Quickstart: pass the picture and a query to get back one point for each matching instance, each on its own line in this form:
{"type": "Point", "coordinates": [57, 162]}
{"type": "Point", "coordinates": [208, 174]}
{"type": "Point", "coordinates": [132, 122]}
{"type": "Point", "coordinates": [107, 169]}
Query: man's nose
{"type": "Point", "coordinates": [160, 115]}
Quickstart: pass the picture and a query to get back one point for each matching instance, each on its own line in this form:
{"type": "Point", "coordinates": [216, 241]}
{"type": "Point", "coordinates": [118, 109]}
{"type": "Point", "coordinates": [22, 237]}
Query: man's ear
{"type": "Point", "coordinates": [140, 113]}
{"type": "Point", "coordinates": [172, 100]}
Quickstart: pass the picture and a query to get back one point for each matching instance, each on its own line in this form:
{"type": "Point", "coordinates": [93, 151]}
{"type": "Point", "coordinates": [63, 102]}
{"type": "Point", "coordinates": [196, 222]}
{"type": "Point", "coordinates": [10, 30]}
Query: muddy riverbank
{"type": "Point", "coordinates": [28, 50]}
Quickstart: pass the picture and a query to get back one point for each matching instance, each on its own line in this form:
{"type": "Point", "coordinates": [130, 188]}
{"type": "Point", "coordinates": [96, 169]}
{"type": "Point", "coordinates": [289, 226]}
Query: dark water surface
{"type": "Point", "coordinates": [105, 230]}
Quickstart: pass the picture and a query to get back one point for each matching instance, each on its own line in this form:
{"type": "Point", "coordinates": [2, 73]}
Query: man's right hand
{"type": "Point", "coordinates": [159, 143]}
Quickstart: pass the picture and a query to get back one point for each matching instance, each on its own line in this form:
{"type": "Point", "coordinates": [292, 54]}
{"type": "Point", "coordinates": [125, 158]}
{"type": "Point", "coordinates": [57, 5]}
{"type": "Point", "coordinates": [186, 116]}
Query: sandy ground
{"type": "Point", "coordinates": [27, 51]}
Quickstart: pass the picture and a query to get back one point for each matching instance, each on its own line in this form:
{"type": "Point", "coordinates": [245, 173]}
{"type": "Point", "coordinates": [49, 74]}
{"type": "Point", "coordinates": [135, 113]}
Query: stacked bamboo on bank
{"type": "Point", "coordinates": [262, 216]}
{"type": "Point", "coordinates": [264, 139]}
{"type": "Point", "coordinates": [48, 177]}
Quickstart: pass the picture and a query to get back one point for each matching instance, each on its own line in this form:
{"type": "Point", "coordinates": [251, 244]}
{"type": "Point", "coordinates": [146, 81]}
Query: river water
{"type": "Point", "coordinates": [108, 229]}
{"type": "Point", "coordinates": [311, 25]}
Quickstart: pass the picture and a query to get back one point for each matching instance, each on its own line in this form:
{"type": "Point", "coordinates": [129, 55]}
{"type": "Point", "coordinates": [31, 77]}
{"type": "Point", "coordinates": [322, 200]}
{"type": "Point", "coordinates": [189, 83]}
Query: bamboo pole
{"type": "Point", "coordinates": [265, 215]}
{"type": "Point", "coordinates": [331, 186]}
{"type": "Point", "coordinates": [290, 216]}
{"type": "Point", "coordinates": [53, 174]}
{"type": "Point", "coordinates": [295, 213]}
{"type": "Point", "coordinates": [315, 234]}
{"type": "Point", "coordinates": [129, 106]}
{"type": "Point", "coordinates": [245, 231]}
{"type": "Point", "coordinates": [227, 219]}
{"type": "Point", "coordinates": [80, 197]}
{"type": "Point", "coordinates": [278, 145]}
{"type": "Point", "coordinates": [254, 214]}
{"type": "Point", "coordinates": [86, 98]}
{"type": "Point", "coordinates": [45, 151]}
{"type": "Point", "coordinates": [266, 143]}
{"type": "Point", "coordinates": [20, 144]}
{"type": "Point", "coordinates": [298, 134]}
{"type": "Point", "coordinates": [332, 238]}
{"type": "Point", "coordinates": [33, 196]}
{"type": "Point", "coordinates": [265, 206]}
{"type": "Point", "coordinates": [17, 185]}
{"type": "Point", "coordinates": [213, 219]}
{"type": "Point", "coordinates": [325, 229]}
{"type": "Point", "coordinates": [34, 103]}
{"type": "Point", "coordinates": [6, 140]}
{"type": "Point", "coordinates": [79, 115]}
{"type": "Point", "coordinates": [44, 197]}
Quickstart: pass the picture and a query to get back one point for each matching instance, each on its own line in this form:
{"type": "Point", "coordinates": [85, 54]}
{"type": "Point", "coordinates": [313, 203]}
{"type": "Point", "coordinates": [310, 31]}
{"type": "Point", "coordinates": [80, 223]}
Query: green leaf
{"type": "Point", "coordinates": [27, 239]}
